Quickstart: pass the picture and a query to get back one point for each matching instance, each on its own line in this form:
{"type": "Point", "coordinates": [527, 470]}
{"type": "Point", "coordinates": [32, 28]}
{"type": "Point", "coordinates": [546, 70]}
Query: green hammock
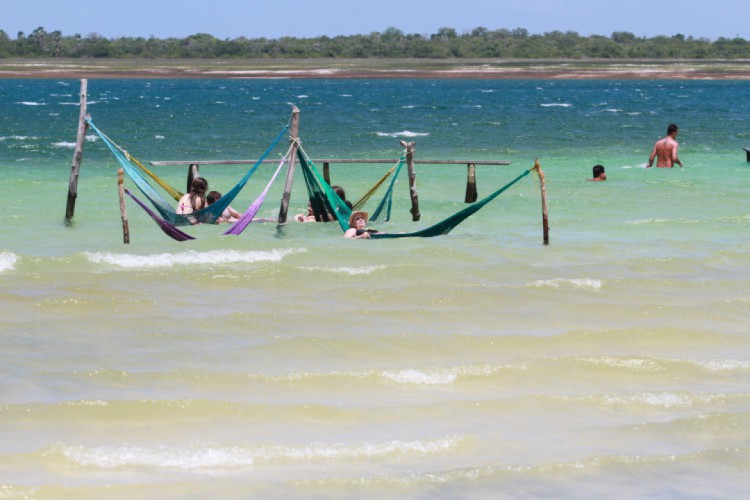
{"type": "Point", "coordinates": [446, 226]}
{"type": "Point", "coordinates": [207, 215]}
{"type": "Point", "coordinates": [325, 202]}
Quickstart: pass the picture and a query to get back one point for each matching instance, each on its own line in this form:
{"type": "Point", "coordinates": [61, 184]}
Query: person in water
{"type": "Point", "coordinates": [598, 173]}
{"type": "Point", "coordinates": [665, 150]}
{"type": "Point", "coordinates": [358, 225]}
{"type": "Point", "coordinates": [195, 200]}
{"type": "Point", "coordinates": [229, 214]}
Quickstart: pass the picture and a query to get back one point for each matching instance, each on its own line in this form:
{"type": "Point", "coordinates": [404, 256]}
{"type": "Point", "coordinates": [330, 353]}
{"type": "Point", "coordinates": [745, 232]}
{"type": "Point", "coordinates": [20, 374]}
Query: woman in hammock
{"type": "Point", "coordinates": [357, 226]}
{"type": "Point", "coordinates": [195, 200]}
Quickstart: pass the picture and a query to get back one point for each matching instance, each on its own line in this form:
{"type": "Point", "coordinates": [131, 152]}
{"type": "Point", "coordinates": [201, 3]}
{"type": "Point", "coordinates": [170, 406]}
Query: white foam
{"type": "Point", "coordinates": [32, 103]}
{"type": "Point", "coordinates": [7, 261]}
{"type": "Point", "coordinates": [403, 133]}
{"type": "Point", "coordinates": [720, 365]}
{"type": "Point", "coordinates": [209, 456]}
{"type": "Point", "coordinates": [64, 144]}
{"type": "Point", "coordinates": [556, 105]}
{"type": "Point", "coordinates": [167, 260]}
{"type": "Point", "coordinates": [586, 283]}
{"type": "Point", "coordinates": [440, 376]}
{"type": "Point", "coordinates": [353, 271]}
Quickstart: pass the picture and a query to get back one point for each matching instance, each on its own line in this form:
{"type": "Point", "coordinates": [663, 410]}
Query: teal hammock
{"type": "Point", "coordinates": [207, 215]}
{"type": "Point", "coordinates": [326, 202]}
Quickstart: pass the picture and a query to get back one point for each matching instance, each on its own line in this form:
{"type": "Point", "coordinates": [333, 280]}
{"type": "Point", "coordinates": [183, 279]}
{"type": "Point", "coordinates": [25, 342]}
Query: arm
{"type": "Point", "coordinates": [352, 233]}
{"type": "Point", "coordinates": [675, 159]}
{"type": "Point", "coordinates": [651, 157]}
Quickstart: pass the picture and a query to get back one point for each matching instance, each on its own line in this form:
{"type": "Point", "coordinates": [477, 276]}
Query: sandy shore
{"type": "Point", "coordinates": [374, 69]}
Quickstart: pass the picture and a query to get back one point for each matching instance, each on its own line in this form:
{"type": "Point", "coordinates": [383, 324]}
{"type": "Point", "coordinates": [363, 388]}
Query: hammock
{"type": "Point", "coordinates": [387, 198]}
{"type": "Point", "coordinates": [323, 199]}
{"type": "Point", "coordinates": [237, 228]}
{"type": "Point", "coordinates": [325, 202]}
{"type": "Point", "coordinates": [170, 230]}
{"type": "Point", "coordinates": [446, 226]}
{"type": "Point", "coordinates": [207, 215]}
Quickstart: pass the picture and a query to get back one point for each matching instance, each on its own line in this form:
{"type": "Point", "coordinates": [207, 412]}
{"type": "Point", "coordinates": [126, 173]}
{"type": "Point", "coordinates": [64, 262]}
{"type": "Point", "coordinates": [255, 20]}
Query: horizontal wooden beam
{"type": "Point", "coordinates": [330, 160]}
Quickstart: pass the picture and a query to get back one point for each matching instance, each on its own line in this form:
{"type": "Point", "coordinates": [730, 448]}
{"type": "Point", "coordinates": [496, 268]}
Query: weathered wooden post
{"type": "Point", "coordinates": [123, 211]}
{"type": "Point", "coordinates": [471, 184]}
{"type": "Point", "coordinates": [193, 172]}
{"type": "Point", "coordinates": [415, 215]}
{"type": "Point", "coordinates": [293, 136]}
{"type": "Point", "coordinates": [543, 189]}
{"type": "Point", "coordinates": [327, 172]}
{"type": "Point", "coordinates": [77, 154]}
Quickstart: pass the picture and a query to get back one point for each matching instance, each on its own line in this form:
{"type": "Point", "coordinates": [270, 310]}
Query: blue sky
{"type": "Point", "coordinates": [308, 18]}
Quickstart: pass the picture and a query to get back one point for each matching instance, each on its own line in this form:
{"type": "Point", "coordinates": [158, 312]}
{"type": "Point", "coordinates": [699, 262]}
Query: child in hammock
{"type": "Point", "coordinates": [229, 214]}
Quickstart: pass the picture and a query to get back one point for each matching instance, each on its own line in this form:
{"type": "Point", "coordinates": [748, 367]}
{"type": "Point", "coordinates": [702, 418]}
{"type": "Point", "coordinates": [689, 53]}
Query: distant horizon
{"type": "Point", "coordinates": [231, 19]}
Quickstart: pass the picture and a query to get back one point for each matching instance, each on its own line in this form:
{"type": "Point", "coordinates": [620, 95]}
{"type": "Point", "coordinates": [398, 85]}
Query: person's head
{"type": "Point", "coordinates": [339, 191]}
{"type": "Point", "coordinates": [199, 186]}
{"type": "Point", "coordinates": [672, 129]}
{"type": "Point", "coordinates": [358, 219]}
{"type": "Point", "coordinates": [598, 171]}
{"type": "Point", "coordinates": [213, 197]}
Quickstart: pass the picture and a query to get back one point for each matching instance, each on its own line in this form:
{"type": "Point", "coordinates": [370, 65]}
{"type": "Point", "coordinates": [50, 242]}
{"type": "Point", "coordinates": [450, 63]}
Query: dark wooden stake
{"type": "Point", "coordinates": [123, 211]}
{"type": "Point", "coordinates": [193, 172]}
{"type": "Point", "coordinates": [327, 172]}
{"type": "Point", "coordinates": [77, 155]}
{"type": "Point", "coordinates": [543, 189]}
{"type": "Point", "coordinates": [293, 135]}
{"type": "Point", "coordinates": [471, 184]}
{"type": "Point", "coordinates": [410, 146]}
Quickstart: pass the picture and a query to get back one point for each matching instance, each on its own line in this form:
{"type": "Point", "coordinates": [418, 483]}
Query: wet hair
{"type": "Point", "coordinates": [597, 170]}
{"type": "Point", "coordinates": [198, 189]}
{"type": "Point", "coordinates": [213, 197]}
{"type": "Point", "coordinates": [672, 128]}
{"type": "Point", "coordinates": [339, 191]}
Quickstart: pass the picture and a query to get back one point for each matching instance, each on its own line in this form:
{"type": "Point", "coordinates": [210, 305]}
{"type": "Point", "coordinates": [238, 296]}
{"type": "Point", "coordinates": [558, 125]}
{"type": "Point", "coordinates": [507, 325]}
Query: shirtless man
{"type": "Point", "coordinates": [666, 150]}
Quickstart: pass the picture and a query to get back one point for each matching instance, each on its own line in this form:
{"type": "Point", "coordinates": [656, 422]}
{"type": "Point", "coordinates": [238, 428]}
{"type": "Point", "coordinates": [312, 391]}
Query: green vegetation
{"type": "Point", "coordinates": [391, 44]}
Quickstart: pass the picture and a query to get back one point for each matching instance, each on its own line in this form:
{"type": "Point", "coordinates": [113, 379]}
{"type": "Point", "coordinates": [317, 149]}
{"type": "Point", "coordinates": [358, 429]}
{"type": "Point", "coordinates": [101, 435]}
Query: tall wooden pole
{"type": "Point", "coordinates": [77, 154]}
{"type": "Point", "coordinates": [123, 211]}
{"type": "Point", "coordinates": [410, 146]}
{"type": "Point", "coordinates": [293, 135]}
{"type": "Point", "coordinates": [543, 189]}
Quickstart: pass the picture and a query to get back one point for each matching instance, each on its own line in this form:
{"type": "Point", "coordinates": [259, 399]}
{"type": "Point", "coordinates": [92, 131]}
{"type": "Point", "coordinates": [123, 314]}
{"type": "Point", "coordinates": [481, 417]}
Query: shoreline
{"type": "Point", "coordinates": [375, 69]}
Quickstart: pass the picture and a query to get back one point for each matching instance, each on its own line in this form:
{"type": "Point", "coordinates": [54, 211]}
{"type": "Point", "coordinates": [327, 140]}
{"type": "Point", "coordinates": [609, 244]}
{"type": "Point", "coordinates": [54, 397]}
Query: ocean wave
{"type": "Point", "coordinates": [7, 261]}
{"type": "Point", "coordinates": [556, 105]}
{"type": "Point", "coordinates": [352, 271]}
{"type": "Point", "coordinates": [586, 283]}
{"type": "Point", "coordinates": [403, 133]}
{"type": "Point", "coordinates": [166, 260]}
{"type": "Point", "coordinates": [31, 103]}
{"type": "Point", "coordinates": [212, 456]}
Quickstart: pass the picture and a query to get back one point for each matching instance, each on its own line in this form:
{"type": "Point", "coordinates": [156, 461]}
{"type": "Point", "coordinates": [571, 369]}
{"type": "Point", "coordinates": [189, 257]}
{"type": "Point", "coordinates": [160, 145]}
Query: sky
{"type": "Point", "coordinates": [227, 19]}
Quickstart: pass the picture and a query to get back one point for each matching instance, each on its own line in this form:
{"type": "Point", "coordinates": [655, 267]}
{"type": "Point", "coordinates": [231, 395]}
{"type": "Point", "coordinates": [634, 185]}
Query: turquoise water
{"type": "Point", "coordinates": [287, 361]}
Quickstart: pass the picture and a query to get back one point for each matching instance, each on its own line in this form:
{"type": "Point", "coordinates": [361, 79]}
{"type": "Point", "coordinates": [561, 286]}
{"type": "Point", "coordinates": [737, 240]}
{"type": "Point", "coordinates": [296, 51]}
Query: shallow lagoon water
{"type": "Point", "coordinates": [290, 362]}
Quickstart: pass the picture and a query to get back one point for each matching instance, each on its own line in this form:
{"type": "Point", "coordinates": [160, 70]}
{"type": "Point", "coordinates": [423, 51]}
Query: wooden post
{"type": "Point", "coordinates": [193, 172]}
{"type": "Point", "coordinates": [77, 155]}
{"type": "Point", "coordinates": [293, 135]}
{"type": "Point", "coordinates": [415, 215]}
{"type": "Point", "coordinates": [471, 184]}
{"type": "Point", "coordinates": [327, 172]}
{"type": "Point", "coordinates": [123, 212]}
{"type": "Point", "coordinates": [543, 188]}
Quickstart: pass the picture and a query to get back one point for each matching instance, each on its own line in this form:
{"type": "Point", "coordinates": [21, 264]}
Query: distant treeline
{"type": "Point", "coordinates": [391, 43]}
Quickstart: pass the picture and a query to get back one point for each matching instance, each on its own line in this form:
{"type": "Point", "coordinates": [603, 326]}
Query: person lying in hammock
{"type": "Point", "coordinates": [357, 226]}
{"type": "Point", "coordinates": [229, 214]}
